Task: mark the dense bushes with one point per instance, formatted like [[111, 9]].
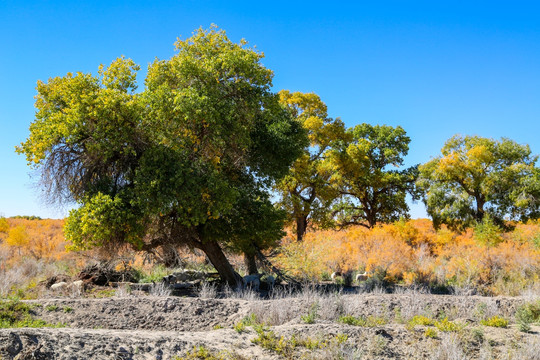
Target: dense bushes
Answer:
[[414, 253], [408, 253]]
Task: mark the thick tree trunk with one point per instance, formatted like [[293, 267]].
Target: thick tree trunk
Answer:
[[218, 259], [251, 264], [301, 227]]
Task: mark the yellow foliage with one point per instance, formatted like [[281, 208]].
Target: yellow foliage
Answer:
[[40, 239], [17, 237], [412, 252], [4, 226]]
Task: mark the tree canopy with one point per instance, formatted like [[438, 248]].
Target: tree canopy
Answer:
[[181, 162], [370, 192], [475, 176]]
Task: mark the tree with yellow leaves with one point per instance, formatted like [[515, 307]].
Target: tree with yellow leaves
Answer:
[[475, 177], [305, 192], [18, 237]]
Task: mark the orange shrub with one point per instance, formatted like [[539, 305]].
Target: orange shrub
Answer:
[[39, 239], [413, 252]]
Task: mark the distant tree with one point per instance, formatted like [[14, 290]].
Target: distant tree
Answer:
[[370, 192], [475, 176], [26, 217], [172, 164], [18, 238], [305, 192]]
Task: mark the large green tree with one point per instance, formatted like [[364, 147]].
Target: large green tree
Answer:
[[305, 192], [176, 163], [475, 176], [370, 191]]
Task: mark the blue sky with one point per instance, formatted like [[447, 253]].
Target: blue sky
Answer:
[[435, 68]]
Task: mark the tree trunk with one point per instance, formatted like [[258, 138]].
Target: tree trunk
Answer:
[[251, 264], [479, 208], [219, 261], [371, 218], [301, 227]]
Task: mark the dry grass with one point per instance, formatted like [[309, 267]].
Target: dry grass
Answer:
[[449, 349], [123, 291], [160, 289], [208, 291]]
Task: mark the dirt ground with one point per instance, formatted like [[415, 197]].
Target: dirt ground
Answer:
[[148, 327]]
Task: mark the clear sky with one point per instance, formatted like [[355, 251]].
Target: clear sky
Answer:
[[436, 68]]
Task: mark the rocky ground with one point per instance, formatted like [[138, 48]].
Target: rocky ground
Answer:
[[305, 326]]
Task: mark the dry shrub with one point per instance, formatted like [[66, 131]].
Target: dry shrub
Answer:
[[208, 290], [272, 312], [449, 349], [529, 349], [415, 254]]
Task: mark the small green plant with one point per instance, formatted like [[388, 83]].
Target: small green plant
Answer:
[[495, 321], [306, 342], [249, 320], [51, 307], [155, 274], [312, 314], [268, 340], [528, 314], [524, 327], [350, 320], [239, 327], [445, 325], [217, 327], [201, 353], [430, 333], [480, 310], [102, 293], [68, 309], [477, 335], [370, 321], [487, 232], [342, 338], [325, 276]]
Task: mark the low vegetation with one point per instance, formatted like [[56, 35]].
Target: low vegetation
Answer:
[[495, 321], [16, 314], [413, 253]]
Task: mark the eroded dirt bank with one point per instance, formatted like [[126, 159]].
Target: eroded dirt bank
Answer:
[[166, 327]]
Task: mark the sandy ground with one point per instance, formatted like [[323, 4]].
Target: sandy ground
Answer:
[[146, 327]]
